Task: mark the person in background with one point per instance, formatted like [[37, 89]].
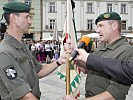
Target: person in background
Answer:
[[41, 55], [53, 59], [19, 69], [3, 28], [94, 45], [48, 60], [48, 49], [33, 49]]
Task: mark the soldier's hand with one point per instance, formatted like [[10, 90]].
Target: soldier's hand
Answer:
[[82, 55], [84, 70], [63, 58], [67, 45], [67, 52]]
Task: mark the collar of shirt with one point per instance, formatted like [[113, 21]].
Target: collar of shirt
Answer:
[[13, 41], [113, 45]]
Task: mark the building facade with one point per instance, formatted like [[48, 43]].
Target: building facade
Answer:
[[85, 13], [45, 13], [35, 30]]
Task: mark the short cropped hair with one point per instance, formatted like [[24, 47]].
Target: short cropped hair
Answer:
[[7, 17]]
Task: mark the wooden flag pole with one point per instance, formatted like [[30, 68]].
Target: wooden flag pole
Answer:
[[68, 77]]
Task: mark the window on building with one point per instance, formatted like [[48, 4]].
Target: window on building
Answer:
[[89, 7], [52, 7], [51, 23], [89, 25], [28, 2], [123, 24], [123, 8], [109, 8], [10, 0]]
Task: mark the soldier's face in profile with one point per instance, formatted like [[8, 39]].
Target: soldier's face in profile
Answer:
[[23, 21]]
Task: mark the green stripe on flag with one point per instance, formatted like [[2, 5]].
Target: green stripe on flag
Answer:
[[73, 84], [61, 75], [77, 79], [71, 89]]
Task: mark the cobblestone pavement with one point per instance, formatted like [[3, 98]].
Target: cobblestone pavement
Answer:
[[53, 88]]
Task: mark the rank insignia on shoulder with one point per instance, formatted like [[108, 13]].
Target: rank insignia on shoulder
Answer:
[[10, 72]]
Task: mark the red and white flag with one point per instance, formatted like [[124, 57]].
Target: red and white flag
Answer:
[[69, 34]]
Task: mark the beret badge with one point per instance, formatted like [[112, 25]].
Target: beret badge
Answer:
[[106, 16]]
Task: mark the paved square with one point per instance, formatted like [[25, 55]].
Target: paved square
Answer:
[[53, 88]]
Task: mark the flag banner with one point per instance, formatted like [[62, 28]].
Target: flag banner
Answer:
[[70, 34]]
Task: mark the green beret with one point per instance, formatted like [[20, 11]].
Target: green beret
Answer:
[[108, 16], [16, 7]]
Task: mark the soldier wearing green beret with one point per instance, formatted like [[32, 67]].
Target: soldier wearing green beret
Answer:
[[19, 70], [112, 45], [101, 86]]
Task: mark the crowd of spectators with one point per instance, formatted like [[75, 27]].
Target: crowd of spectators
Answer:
[[45, 51]]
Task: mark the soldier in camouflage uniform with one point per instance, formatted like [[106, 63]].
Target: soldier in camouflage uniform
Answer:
[[19, 70]]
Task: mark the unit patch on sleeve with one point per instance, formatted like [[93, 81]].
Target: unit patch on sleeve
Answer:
[[10, 72]]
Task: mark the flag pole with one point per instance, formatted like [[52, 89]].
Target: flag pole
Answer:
[[72, 78], [68, 55], [68, 37], [68, 76]]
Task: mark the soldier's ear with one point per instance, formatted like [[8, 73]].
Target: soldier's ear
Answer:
[[12, 19], [114, 25]]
